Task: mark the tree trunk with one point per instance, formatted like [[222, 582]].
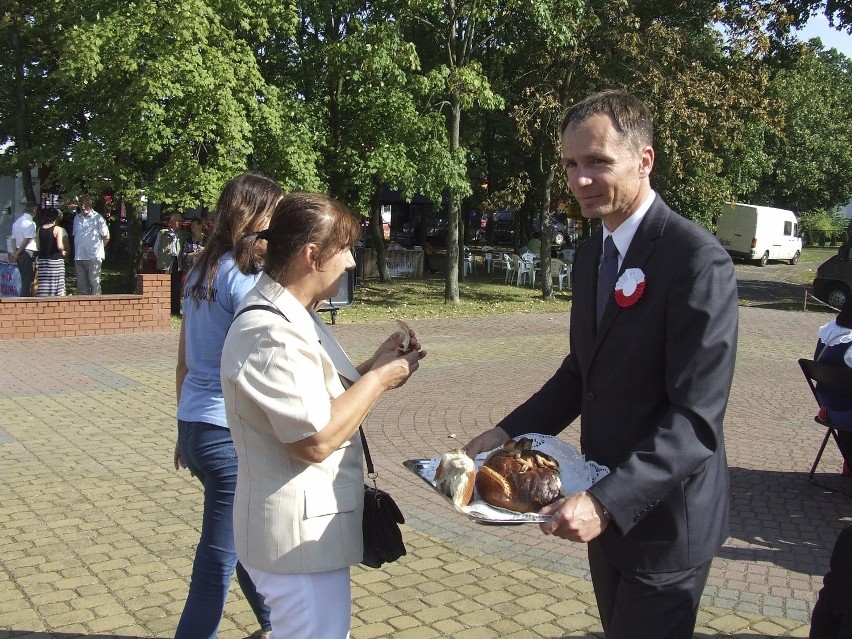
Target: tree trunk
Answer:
[[22, 140], [134, 244], [546, 275], [451, 281], [377, 230]]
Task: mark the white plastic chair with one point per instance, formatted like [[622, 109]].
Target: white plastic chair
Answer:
[[521, 270], [488, 254], [528, 267], [559, 270], [509, 265], [468, 263]]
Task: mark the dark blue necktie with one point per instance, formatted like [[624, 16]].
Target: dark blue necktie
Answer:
[[607, 274]]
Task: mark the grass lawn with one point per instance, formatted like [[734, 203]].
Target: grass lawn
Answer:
[[480, 295]]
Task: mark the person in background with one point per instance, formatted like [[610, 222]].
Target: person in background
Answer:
[[53, 247], [222, 274], [832, 615], [295, 401], [25, 248], [191, 248], [167, 248], [419, 238], [653, 337], [534, 245], [91, 235], [833, 347]]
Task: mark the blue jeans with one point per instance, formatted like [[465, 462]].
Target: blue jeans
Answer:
[[209, 453]]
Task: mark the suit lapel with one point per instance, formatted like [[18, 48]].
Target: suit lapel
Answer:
[[641, 248]]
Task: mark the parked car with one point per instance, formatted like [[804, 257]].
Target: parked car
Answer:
[[833, 280], [149, 257], [505, 228], [558, 231], [149, 236], [759, 233], [437, 226]]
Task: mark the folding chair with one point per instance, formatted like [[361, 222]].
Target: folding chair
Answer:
[[838, 377]]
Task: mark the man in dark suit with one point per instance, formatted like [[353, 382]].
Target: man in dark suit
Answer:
[[653, 339]]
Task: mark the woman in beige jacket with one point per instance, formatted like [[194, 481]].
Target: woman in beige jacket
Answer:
[[294, 403]]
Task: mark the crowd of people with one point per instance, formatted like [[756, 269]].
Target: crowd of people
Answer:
[[41, 244], [42, 240], [269, 405]]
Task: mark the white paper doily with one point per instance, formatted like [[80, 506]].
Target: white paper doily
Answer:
[[576, 474]]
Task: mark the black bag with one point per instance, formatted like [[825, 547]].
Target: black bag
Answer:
[[382, 536]]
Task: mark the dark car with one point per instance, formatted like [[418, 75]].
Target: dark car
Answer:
[[558, 231], [833, 279], [149, 257], [149, 236], [437, 225], [505, 228]]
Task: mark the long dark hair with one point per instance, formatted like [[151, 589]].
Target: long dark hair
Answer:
[[49, 214], [307, 218], [244, 208]]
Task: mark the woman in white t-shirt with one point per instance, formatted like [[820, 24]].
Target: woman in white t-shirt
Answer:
[[223, 273]]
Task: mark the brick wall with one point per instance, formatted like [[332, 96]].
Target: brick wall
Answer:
[[38, 317]]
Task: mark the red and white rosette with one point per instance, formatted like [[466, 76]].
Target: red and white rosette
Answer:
[[629, 287]]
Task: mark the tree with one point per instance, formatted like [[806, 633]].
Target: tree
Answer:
[[811, 149], [29, 34], [167, 100], [452, 36], [369, 99]]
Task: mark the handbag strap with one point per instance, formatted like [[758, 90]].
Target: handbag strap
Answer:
[[258, 307], [371, 472]]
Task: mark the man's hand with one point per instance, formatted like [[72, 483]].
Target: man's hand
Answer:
[[489, 440], [579, 517]]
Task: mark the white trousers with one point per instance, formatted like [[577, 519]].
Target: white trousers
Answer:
[[307, 605]]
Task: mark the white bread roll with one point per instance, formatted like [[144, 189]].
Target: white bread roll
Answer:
[[455, 477]]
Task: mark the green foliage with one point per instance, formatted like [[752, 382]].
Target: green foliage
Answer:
[[812, 146], [821, 225], [427, 96]]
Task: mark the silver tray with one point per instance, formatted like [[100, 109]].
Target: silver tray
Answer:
[[576, 474]]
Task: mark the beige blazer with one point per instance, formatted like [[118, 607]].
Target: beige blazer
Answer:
[[279, 377]]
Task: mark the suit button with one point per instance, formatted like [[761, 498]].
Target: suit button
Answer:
[[590, 396]]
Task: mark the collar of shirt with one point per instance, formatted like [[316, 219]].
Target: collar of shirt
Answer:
[[623, 235]]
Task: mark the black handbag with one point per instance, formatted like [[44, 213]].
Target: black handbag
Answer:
[[382, 537]]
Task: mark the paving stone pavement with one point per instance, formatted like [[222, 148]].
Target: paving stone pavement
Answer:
[[97, 529]]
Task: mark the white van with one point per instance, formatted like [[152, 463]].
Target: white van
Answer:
[[759, 233]]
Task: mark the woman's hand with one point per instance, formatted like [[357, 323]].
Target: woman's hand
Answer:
[[392, 346], [395, 367], [179, 463]]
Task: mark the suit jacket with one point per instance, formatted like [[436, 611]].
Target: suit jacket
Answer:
[[651, 385], [279, 377]]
